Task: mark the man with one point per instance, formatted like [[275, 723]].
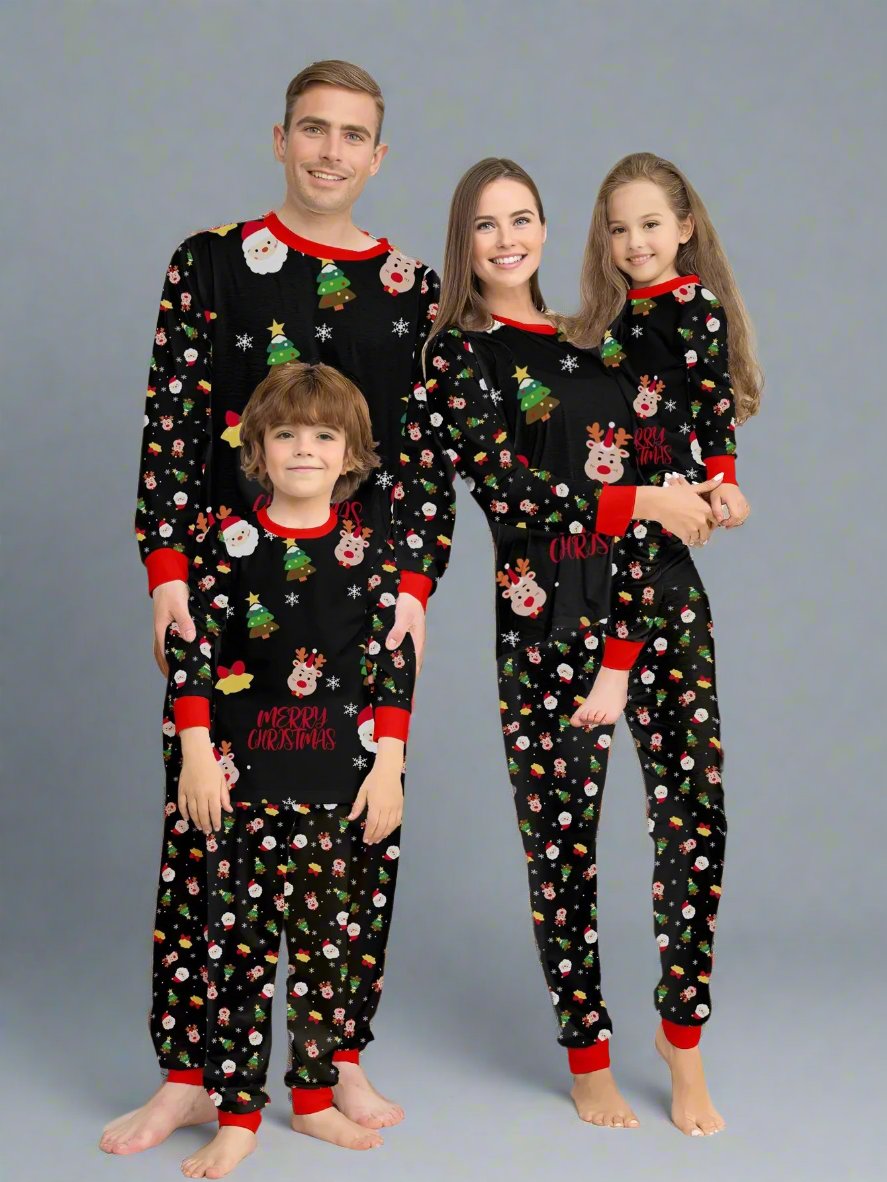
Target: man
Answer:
[[302, 282]]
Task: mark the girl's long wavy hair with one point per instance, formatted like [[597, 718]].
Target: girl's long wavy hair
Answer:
[[461, 304], [603, 287]]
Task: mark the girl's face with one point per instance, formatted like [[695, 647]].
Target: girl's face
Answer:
[[644, 233], [508, 237], [304, 460]]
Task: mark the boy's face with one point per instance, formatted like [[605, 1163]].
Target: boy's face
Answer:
[[644, 233], [330, 152], [304, 460]]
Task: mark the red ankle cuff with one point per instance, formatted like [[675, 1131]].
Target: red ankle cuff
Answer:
[[346, 1056], [593, 1058], [308, 1100], [191, 1075], [243, 1120], [684, 1037]]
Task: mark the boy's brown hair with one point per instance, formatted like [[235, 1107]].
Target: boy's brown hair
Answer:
[[296, 393], [334, 72]]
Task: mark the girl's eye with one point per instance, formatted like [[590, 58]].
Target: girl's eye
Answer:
[[653, 224], [616, 230]]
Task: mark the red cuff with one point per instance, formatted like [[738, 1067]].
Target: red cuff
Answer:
[[615, 509], [346, 1056], [190, 1075], [684, 1037], [619, 653], [243, 1120], [725, 464], [412, 583], [308, 1100], [190, 711], [593, 1058], [392, 722], [165, 565]]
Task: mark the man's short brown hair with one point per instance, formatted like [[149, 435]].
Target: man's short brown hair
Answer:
[[297, 394], [334, 73]]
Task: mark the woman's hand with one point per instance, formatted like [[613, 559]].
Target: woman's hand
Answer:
[[203, 789], [381, 793], [682, 509], [170, 602], [409, 616]]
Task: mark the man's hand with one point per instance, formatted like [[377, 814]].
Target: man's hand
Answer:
[[203, 789], [730, 498], [381, 793], [409, 616], [170, 603]]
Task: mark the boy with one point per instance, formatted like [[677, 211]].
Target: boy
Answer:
[[271, 701]]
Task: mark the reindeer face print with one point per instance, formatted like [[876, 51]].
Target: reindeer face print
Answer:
[[351, 549], [398, 273], [526, 596], [306, 672], [226, 763], [606, 453], [649, 396]]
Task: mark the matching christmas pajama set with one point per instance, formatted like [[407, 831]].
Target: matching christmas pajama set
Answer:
[[545, 436], [237, 299], [290, 673]]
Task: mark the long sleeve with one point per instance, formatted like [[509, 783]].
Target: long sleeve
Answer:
[[629, 625], [425, 490], [702, 327], [193, 664], [393, 671], [461, 410], [176, 436]]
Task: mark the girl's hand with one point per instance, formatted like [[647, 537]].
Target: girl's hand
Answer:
[[730, 498], [381, 793], [682, 509], [203, 789]]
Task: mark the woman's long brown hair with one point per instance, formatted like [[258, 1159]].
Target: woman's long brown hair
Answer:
[[603, 287], [461, 304]]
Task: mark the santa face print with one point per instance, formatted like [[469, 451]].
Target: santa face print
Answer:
[[508, 238], [329, 152], [304, 461], [644, 233]]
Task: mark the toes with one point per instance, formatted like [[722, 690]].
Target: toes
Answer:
[[597, 1118]]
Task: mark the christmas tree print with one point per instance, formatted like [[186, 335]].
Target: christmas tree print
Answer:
[[536, 400], [642, 307], [281, 349], [611, 353], [296, 562], [332, 287], [259, 620]]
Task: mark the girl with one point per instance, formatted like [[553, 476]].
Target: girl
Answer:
[[652, 265], [542, 432]]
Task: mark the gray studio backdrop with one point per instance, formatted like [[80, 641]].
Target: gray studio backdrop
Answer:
[[129, 126]]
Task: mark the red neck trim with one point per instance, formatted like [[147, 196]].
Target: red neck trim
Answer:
[[545, 329], [646, 293], [288, 531], [319, 249]]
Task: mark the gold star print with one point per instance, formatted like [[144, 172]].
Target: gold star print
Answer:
[[275, 329], [252, 599], [520, 373]]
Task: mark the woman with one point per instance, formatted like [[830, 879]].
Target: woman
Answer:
[[542, 433]]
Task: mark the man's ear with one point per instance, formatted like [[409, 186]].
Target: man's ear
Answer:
[[279, 142], [379, 153]]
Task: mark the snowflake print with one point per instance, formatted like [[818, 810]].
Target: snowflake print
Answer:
[[350, 709], [400, 327], [292, 599], [684, 428], [244, 341], [570, 363], [333, 683], [495, 396], [671, 404], [323, 332], [637, 331], [354, 591], [384, 479], [359, 761], [510, 638]]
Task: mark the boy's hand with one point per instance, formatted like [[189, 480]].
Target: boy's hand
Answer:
[[381, 793], [737, 507], [409, 616], [203, 789]]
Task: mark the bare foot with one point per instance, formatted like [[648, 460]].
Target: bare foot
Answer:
[[356, 1097], [691, 1108], [218, 1157], [332, 1125], [605, 701], [599, 1101], [172, 1106]]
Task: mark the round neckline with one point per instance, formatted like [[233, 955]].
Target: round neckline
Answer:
[[645, 293], [319, 249], [542, 329], [282, 531]]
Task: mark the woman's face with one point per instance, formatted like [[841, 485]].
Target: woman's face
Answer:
[[508, 236]]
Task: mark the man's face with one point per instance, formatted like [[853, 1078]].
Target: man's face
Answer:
[[329, 152]]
